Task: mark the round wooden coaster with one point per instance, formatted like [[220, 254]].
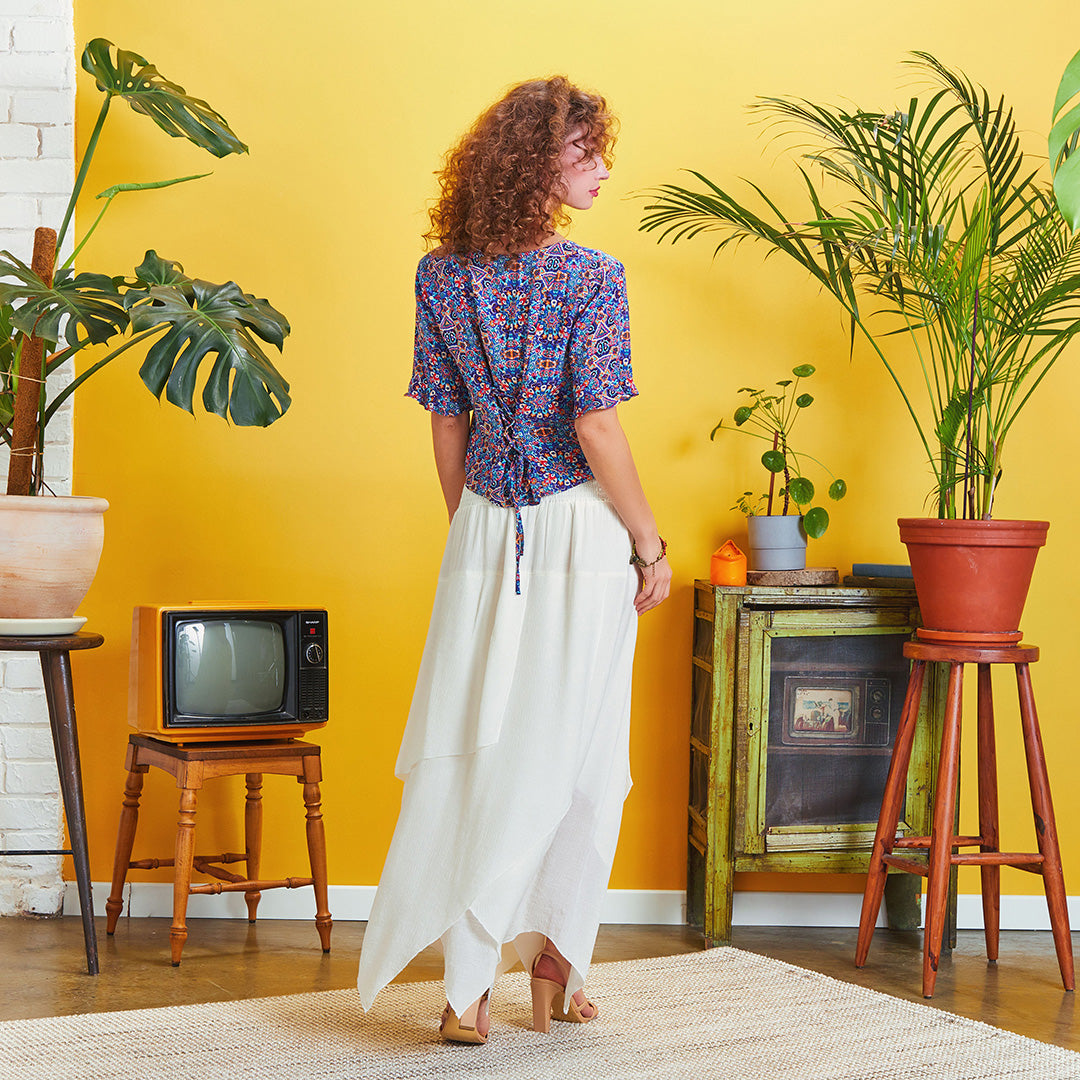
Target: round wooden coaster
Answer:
[[824, 575]]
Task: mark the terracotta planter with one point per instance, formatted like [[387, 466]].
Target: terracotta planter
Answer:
[[777, 542], [51, 547], [972, 577]]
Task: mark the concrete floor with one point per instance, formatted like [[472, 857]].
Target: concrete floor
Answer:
[[44, 972]]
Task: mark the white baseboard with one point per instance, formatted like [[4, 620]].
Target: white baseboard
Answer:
[[1017, 912], [797, 909], [842, 910], [639, 906], [347, 903]]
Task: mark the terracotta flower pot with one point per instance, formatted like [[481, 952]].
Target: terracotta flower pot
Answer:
[[972, 577], [51, 547], [777, 542]]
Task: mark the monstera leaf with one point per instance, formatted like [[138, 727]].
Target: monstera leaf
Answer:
[[204, 319], [133, 78], [154, 270], [8, 343], [91, 304], [1064, 160]]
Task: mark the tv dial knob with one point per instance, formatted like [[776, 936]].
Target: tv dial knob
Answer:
[[313, 654]]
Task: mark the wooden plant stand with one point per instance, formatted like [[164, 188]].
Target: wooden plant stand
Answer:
[[191, 765], [939, 848], [53, 652]]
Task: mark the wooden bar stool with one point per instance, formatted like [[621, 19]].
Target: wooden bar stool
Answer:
[[191, 765], [941, 845]]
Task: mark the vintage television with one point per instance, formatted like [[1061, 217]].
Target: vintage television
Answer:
[[203, 673]]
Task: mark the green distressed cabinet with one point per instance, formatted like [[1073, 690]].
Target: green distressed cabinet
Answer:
[[795, 701]]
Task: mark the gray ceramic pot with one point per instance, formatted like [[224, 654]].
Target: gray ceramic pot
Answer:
[[777, 542]]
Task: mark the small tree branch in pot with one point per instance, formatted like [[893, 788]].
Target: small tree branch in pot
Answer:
[[787, 478], [24, 423], [772, 475]]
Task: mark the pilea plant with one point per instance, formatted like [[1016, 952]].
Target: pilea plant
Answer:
[[771, 416], [48, 314]]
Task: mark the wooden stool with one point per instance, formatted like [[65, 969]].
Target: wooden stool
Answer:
[[191, 765], [942, 842]]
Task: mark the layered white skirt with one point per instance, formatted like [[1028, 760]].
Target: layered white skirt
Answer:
[[515, 756]]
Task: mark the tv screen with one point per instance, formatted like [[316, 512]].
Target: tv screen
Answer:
[[229, 667]]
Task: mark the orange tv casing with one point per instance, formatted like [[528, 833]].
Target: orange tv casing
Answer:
[[146, 679]]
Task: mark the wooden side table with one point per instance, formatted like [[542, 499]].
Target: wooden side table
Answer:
[[774, 787], [191, 765], [56, 674]]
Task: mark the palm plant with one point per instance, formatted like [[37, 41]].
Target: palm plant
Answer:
[[958, 244], [49, 314]]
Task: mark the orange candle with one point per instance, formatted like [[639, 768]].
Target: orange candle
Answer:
[[728, 565]]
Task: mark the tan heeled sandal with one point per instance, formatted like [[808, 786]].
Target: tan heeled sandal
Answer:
[[453, 1030], [549, 1000]]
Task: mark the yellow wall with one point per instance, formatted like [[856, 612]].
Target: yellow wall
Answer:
[[347, 108]]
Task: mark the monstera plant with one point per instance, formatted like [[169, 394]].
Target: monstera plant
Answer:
[[49, 314]]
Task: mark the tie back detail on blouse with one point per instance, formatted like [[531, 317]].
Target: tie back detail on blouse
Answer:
[[528, 342]]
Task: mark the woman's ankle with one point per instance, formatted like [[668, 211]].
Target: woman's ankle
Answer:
[[547, 967]]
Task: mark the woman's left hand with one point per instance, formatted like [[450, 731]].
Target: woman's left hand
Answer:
[[655, 586]]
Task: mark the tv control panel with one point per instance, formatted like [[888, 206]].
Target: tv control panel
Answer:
[[313, 674]]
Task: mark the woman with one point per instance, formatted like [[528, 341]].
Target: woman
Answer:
[[515, 756]]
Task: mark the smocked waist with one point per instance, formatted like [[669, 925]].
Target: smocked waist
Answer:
[[587, 491]]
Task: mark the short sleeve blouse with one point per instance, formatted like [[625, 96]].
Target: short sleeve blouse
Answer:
[[528, 342]]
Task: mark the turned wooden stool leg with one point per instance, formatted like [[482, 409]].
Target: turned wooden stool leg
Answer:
[[1045, 827], [60, 698], [942, 832], [316, 842], [988, 813], [185, 853], [891, 806], [253, 819], [125, 840]]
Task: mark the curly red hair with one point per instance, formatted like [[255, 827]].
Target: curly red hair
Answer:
[[500, 183]]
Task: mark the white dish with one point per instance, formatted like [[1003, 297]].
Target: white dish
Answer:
[[41, 627]]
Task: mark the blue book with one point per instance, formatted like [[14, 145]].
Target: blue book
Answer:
[[873, 569]]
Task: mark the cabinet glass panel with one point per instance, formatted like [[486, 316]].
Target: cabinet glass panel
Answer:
[[699, 781], [834, 708], [703, 639], [702, 695]]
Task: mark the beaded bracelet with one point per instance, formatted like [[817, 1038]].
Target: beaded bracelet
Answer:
[[637, 560]]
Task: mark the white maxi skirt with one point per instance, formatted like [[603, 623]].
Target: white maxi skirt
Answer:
[[515, 756]]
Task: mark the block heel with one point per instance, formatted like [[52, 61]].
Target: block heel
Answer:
[[544, 993]]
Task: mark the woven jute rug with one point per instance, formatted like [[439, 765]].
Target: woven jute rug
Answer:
[[721, 1013]]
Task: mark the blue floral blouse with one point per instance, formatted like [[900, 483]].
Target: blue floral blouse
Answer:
[[528, 342]]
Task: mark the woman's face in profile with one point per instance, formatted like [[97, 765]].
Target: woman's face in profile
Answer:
[[582, 171]]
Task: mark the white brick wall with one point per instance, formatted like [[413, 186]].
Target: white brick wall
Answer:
[[37, 110]]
